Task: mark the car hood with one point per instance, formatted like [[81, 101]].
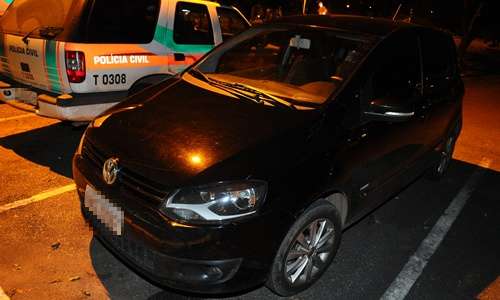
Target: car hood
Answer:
[[185, 130]]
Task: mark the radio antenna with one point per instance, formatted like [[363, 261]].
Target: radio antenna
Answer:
[[397, 11]]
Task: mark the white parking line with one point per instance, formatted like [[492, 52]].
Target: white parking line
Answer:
[[3, 296], [417, 262], [40, 197], [17, 117]]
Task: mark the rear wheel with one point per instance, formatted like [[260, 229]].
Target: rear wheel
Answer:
[[438, 171], [307, 250]]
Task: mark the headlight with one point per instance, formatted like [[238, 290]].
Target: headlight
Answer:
[[217, 202]]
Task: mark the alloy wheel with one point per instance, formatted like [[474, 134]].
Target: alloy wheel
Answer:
[[310, 251]]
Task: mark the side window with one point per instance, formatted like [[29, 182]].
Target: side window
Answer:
[[110, 21], [231, 22], [192, 24], [399, 72], [437, 56]]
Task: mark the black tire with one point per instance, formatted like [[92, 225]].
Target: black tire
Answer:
[[439, 169], [315, 261]]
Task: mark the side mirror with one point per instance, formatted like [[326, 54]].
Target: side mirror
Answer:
[[389, 109]]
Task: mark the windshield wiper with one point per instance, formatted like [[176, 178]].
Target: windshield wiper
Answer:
[[243, 90], [199, 74], [48, 32], [258, 95]]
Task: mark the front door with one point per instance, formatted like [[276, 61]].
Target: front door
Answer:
[[191, 34], [379, 153]]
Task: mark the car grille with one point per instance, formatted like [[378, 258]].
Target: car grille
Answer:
[[126, 244], [132, 182]]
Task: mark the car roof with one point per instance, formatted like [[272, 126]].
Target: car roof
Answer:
[[210, 3], [361, 24], [205, 2]]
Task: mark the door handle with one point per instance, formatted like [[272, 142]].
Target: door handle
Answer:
[[426, 103], [424, 108], [357, 135], [179, 57], [399, 114], [394, 116]]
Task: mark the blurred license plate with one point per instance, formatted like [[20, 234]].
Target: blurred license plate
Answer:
[[108, 213]]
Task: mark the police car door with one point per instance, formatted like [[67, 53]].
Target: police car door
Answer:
[[194, 31]]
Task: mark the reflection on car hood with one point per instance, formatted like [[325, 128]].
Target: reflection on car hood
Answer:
[[185, 130]]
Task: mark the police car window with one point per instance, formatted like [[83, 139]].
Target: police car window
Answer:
[[192, 24], [122, 21], [231, 23], [399, 72]]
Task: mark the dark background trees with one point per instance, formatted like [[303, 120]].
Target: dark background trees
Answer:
[[466, 18]]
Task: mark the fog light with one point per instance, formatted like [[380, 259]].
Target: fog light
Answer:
[[213, 273], [194, 273]]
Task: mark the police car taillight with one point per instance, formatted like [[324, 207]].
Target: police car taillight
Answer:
[[75, 66]]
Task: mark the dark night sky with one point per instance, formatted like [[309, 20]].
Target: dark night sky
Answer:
[[444, 13]]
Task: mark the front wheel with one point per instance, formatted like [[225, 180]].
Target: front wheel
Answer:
[[307, 250]]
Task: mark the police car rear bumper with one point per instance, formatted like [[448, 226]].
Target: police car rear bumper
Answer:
[[71, 107], [77, 107]]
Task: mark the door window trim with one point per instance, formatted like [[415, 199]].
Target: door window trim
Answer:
[[212, 28]]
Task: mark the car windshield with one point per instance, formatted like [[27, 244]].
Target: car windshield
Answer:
[[301, 65]]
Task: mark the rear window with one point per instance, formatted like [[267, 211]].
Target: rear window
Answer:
[[25, 16], [231, 22], [121, 21], [192, 24]]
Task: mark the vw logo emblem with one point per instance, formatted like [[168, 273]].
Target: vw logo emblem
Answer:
[[110, 170]]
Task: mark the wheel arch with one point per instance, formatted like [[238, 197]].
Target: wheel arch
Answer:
[[340, 201], [147, 81]]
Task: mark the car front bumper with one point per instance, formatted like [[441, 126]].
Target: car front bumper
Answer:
[[202, 259]]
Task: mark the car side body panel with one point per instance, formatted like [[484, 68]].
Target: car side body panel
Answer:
[[303, 156]]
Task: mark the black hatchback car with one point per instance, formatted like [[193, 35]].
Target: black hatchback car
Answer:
[[246, 168]]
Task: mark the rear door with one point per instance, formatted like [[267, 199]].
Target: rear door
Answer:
[[442, 84], [123, 41], [27, 62], [28, 51]]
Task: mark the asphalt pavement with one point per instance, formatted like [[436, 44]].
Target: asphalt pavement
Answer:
[[435, 240]]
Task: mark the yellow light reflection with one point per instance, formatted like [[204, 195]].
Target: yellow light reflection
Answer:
[[175, 224], [98, 122], [196, 159]]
